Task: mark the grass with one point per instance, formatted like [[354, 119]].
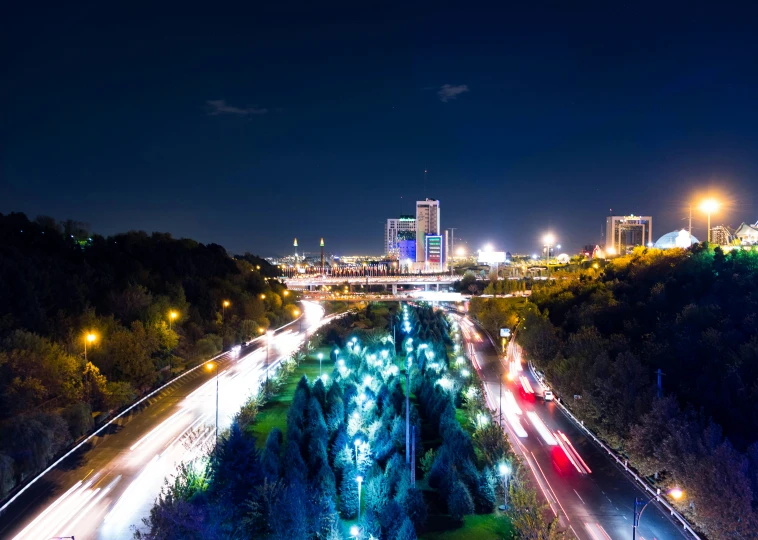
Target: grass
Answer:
[[476, 527], [274, 413]]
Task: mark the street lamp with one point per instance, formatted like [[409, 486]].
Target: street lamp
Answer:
[[708, 206], [320, 358], [359, 479], [172, 315], [355, 531], [505, 472], [209, 366], [88, 338], [225, 304], [549, 239], [675, 493]]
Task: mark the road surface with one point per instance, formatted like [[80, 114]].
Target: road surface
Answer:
[[586, 489], [107, 487]]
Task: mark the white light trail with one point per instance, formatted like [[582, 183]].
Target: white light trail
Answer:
[[541, 428]]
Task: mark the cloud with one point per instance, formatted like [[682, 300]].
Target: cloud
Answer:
[[449, 92], [219, 106]]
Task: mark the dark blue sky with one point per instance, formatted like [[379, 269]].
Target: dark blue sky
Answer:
[[248, 125]]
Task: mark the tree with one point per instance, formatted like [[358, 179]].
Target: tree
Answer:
[[249, 329], [349, 493], [412, 501], [459, 502], [129, 353], [271, 457], [406, 531], [79, 419], [524, 511], [376, 493]]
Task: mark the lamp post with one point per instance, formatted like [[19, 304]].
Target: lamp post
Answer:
[[356, 443], [210, 366], [296, 313], [676, 493], [320, 358], [708, 206], [89, 338], [171, 316], [549, 239], [359, 479], [225, 304], [505, 472]]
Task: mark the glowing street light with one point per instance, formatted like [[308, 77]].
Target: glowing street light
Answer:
[[505, 472], [320, 358], [225, 304], [675, 493], [549, 240], [708, 206], [88, 338], [172, 315]]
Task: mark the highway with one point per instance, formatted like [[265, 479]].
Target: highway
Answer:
[[107, 487], [589, 492]]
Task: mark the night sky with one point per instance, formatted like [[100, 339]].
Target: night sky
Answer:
[[248, 125]]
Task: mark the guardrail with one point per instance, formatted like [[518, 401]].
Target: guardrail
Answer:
[[122, 413], [623, 462]]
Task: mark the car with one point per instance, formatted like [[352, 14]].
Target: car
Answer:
[[548, 395]]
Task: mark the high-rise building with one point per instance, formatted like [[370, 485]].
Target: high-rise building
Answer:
[[427, 223], [623, 233], [402, 228]]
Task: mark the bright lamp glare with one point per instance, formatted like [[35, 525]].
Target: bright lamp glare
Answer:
[[676, 493], [709, 205], [549, 239]]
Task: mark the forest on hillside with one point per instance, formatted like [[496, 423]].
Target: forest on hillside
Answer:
[[142, 306], [600, 338]]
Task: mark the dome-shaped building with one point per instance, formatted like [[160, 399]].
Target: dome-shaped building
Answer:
[[676, 239]]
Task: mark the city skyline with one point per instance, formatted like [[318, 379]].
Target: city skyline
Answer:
[[527, 123]]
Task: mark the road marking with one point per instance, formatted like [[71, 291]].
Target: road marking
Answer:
[[580, 497]]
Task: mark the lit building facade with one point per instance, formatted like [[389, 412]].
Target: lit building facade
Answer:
[[747, 234], [427, 223], [623, 233], [397, 229]]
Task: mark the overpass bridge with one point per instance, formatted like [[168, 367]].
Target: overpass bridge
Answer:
[[429, 282]]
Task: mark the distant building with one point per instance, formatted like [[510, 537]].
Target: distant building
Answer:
[[407, 251], [393, 232], [427, 223], [722, 236], [676, 239], [434, 252], [747, 234], [623, 233]]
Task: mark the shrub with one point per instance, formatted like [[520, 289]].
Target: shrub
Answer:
[[459, 502], [79, 419]]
